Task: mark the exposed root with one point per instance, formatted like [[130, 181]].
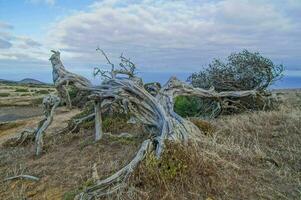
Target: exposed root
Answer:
[[117, 180], [154, 111], [122, 135], [77, 122], [50, 103], [24, 137]]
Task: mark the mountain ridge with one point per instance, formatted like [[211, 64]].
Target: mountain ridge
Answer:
[[24, 81]]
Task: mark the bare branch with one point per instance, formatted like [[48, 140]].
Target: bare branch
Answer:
[[22, 176]]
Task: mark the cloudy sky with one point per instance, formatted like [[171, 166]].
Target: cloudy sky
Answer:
[[160, 36]]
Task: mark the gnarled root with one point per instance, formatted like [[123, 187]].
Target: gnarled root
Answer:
[[117, 180], [24, 137], [50, 103], [76, 122]]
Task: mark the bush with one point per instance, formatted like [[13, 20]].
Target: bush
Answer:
[[187, 106], [180, 170], [241, 71], [43, 92], [21, 90], [73, 91], [4, 94]]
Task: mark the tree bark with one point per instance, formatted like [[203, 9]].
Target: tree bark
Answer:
[[98, 122], [155, 111], [50, 103]]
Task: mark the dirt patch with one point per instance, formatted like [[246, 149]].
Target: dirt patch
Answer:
[[247, 156], [65, 166]]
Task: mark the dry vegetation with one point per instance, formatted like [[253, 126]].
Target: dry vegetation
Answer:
[[23, 95], [246, 156]]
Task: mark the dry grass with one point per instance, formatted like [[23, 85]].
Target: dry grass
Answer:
[[65, 167], [247, 156], [22, 95]]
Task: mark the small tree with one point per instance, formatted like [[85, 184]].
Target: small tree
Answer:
[[241, 71]]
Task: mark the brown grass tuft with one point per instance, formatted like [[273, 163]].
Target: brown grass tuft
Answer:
[[248, 156], [206, 127]]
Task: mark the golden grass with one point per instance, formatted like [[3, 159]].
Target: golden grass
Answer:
[[22, 95], [247, 156]]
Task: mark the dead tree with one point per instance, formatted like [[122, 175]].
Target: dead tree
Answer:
[[154, 111], [240, 71], [63, 78], [50, 103]]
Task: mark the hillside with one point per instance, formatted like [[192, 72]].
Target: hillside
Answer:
[[25, 81], [246, 156]]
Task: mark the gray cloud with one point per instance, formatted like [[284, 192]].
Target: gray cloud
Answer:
[[180, 35], [18, 48], [4, 44], [27, 43]]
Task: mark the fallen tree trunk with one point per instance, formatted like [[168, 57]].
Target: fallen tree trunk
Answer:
[[154, 111]]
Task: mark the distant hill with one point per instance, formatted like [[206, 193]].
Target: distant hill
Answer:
[[25, 81], [31, 81]]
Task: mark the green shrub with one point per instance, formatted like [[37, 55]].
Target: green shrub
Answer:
[[187, 106], [240, 71], [4, 94], [72, 90], [43, 92], [70, 195], [21, 90], [190, 106], [37, 101]]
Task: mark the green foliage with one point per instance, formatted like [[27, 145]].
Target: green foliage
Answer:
[[187, 106], [70, 195], [4, 94], [72, 90], [190, 106], [21, 90], [241, 71], [171, 165], [25, 94], [43, 92]]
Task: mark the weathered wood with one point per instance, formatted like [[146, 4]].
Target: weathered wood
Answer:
[[98, 121], [50, 103], [62, 78], [155, 110]]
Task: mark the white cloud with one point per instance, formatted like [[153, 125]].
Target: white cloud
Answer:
[[182, 35], [18, 47]]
